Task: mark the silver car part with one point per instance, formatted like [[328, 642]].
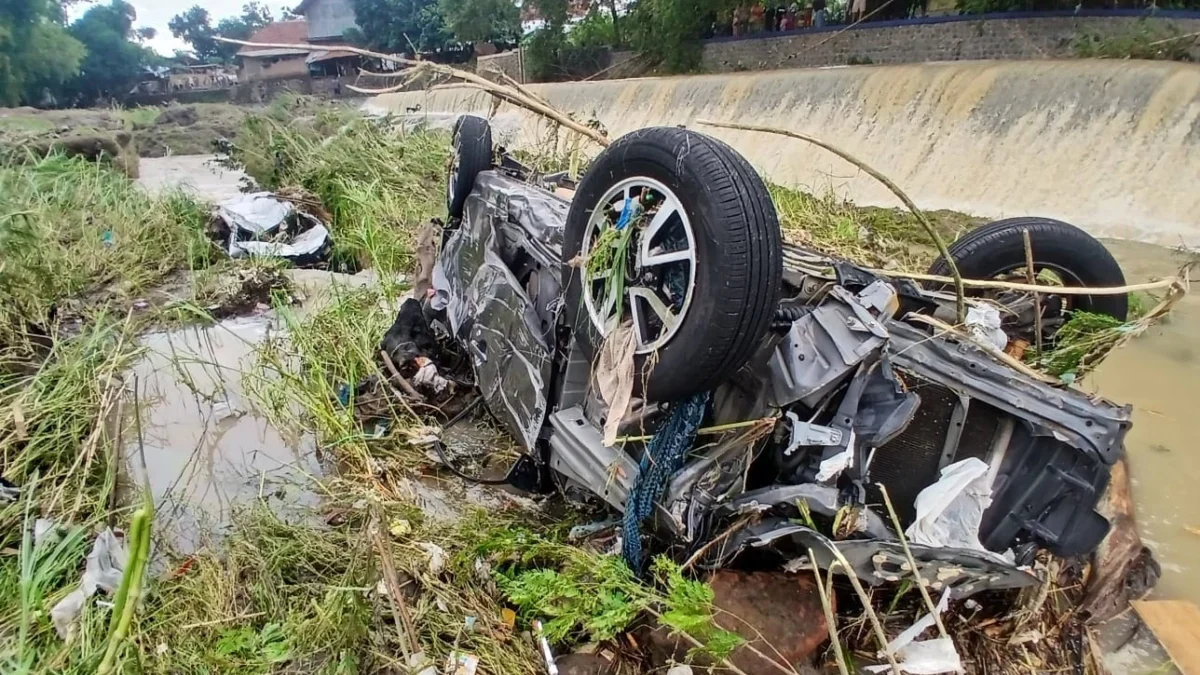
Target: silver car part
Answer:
[[824, 346], [649, 294]]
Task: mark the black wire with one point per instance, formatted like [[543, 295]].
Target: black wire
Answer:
[[440, 448]]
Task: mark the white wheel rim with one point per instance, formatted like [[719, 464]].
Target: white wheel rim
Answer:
[[664, 247]]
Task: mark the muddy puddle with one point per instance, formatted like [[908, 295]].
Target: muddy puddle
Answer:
[[206, 450]]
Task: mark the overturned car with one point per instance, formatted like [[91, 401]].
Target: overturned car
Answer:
[[653, 344]]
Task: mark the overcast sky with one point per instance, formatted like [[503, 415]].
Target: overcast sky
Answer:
[[157, 13]]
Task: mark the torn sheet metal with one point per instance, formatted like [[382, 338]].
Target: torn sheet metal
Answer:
[[875, 561], [489, 308], [1093, 425], [827, 344]]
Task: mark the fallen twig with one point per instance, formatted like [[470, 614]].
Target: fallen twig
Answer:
[[1031, 277], [912, 563], [509, 94], [403, 620], [1038, 288], [960, 296], [400, 380], [830, 618]]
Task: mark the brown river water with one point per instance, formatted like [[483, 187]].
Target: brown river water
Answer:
[[208, 450]]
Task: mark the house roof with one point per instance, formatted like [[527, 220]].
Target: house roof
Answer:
[[279, 32], [302, 8]]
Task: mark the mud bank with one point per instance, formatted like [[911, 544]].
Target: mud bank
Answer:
[[1113, 146]]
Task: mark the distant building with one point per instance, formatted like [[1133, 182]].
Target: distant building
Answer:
[[270, 63], [328, 20]]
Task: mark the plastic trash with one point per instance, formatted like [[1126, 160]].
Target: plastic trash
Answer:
[[949, 511], [104, 568], [925, 657], [983, 321], [261, 224]]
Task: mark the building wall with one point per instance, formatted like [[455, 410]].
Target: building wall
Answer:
[[329, 18], [508, 63], [273, 68], [955, 38]]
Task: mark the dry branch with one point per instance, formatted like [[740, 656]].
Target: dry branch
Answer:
[[507, 93], [960, 296]]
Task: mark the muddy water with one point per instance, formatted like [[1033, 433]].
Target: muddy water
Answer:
[[206, 451], [198, 174], [1159, 374]]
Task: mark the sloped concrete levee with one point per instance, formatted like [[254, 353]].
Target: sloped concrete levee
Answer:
[[1113, 146]]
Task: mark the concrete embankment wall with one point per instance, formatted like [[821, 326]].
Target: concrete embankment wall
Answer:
[[1113, 146]]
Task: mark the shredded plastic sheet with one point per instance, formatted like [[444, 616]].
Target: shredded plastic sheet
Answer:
[[926, 657], [104, 568], [949, 511], [256, 213], [983, 321]]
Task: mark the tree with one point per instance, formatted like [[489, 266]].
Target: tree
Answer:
[[669, 31], [37, 55], [481, 20], [395, 26], [195, 27], [114, 62]]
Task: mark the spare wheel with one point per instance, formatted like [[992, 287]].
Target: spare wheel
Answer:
[[702, 266]]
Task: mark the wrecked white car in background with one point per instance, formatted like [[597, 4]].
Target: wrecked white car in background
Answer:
[[652, 343]]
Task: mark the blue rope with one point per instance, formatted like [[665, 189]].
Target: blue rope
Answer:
[[664, 457]]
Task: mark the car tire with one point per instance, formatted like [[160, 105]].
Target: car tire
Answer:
[[1077, 257], [738, 256], [472, 140]]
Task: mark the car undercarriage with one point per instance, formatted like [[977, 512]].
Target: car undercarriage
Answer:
[[828, 408]]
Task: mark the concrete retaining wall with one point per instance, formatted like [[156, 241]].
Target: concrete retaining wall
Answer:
[[956, 38], [1113, 146]]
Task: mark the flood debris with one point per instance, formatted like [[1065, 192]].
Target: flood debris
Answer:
[[264, 224]]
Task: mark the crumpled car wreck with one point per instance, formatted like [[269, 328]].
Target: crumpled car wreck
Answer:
[[750, 388]]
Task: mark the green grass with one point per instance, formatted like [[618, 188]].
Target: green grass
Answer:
[[877, 237], [377, 183]]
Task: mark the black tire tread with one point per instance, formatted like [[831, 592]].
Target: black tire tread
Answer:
[[747, 298], [473, 144], [982, 252]]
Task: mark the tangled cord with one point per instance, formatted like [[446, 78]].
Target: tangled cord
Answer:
[[440, 448], [662, 459]]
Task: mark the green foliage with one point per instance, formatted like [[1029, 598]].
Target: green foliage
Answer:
[[195, 27], [73, 228], [595, 30], [586, 596], [593, 599], [1141, 41], [669, 31], [480, 20], [397, 26], [1081, 344], [37, 54], [114, 61]]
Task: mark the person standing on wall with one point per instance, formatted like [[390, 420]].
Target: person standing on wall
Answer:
[[818, 13]]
